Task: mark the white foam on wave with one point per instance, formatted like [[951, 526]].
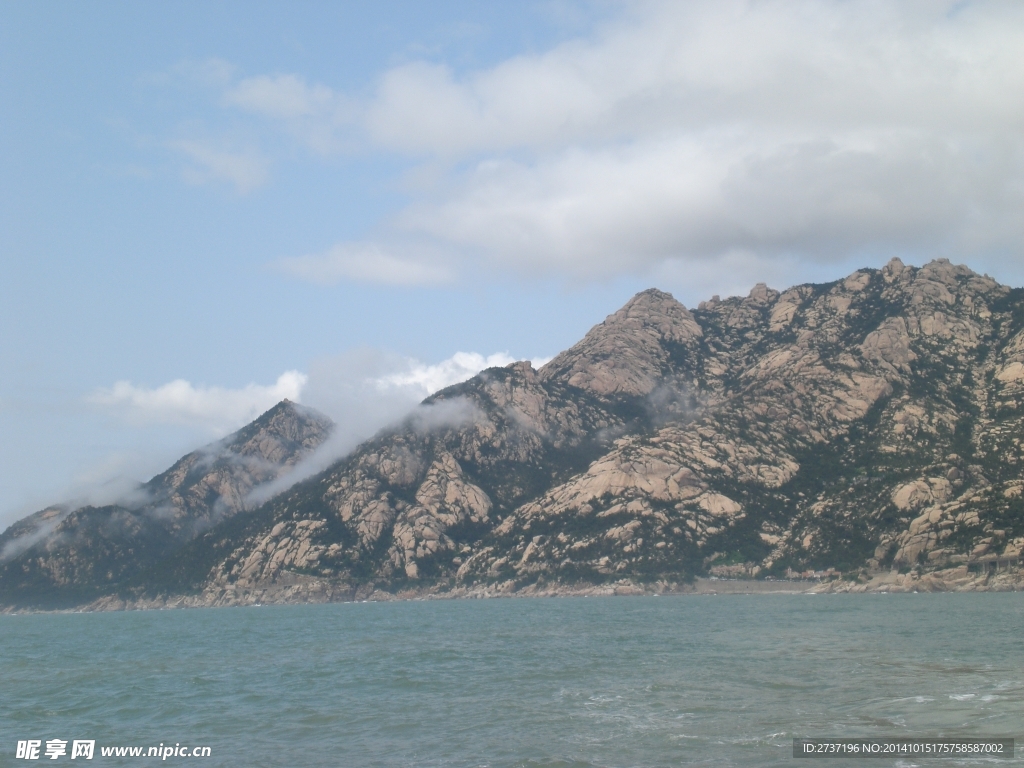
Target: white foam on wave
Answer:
[[962, 696]]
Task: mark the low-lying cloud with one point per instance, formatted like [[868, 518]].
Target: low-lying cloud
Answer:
[[218, 409], [425, 380], [366, 390], [30, 538], [362, 391], [361, 387]]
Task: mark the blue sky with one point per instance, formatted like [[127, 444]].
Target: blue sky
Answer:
[[204, 207]]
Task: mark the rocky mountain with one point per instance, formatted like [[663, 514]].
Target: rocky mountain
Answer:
[[869, 427], [64, 555]]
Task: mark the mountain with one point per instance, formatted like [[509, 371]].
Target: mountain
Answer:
[[64, 555], [869, 428]]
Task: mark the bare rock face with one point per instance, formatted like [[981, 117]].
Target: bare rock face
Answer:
[[629, 352], [444, 499], [821, 427], [226, 472], [870, 426], [889, 347]]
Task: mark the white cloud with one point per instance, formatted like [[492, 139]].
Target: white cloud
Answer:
[[217, 409], [362, 391], [369, 263], [671, 68], [366, 390], [811, 131], [426, 379], [599, 212], [693, 130], [796, 132], [16, 546], [315, 114], [283, 96], [246, 169]]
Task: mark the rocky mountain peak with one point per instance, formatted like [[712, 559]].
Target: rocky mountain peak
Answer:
[[654, 312], [762, 294], [96, 547], [630, 351], [257, 453], [281, 435], [893, 270]]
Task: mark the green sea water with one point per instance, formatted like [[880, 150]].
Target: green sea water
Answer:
[[724, 680]]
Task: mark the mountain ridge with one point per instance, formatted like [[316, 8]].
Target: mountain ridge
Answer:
[[77, 552], [869, 426]]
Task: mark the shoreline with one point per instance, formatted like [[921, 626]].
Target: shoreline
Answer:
[[289, 595], [305, 590]]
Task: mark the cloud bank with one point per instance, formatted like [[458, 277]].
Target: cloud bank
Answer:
[[362, 391], [366, 390], [217, 409], [773, 131]]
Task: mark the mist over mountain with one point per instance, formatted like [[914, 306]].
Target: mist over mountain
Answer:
[[65, 554], [868, 427]]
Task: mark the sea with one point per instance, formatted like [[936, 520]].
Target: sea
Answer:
[[571, 682]]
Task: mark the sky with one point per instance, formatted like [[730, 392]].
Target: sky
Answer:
[[207, 207]]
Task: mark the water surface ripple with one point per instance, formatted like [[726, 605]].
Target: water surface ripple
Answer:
[[570, 683]]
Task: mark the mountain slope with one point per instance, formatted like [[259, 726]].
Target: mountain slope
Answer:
[[63, 555], [832, 426], [802, 461], [871, 425]]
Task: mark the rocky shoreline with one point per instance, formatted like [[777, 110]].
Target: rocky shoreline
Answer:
[[948, 580], [315, 591]]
